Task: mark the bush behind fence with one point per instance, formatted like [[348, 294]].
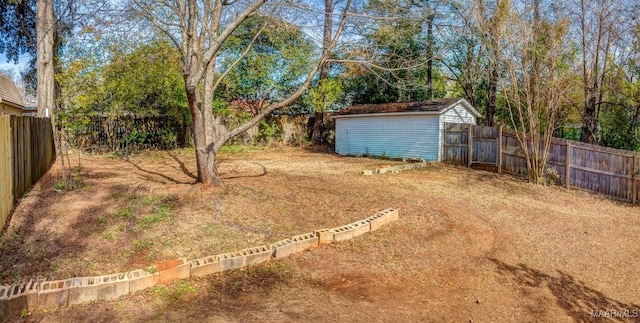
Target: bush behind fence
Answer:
[[132, 133], [126, 133]]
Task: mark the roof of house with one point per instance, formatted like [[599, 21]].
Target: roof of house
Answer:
[[9, 91], [436, 106], [251, 106], [30, 106]]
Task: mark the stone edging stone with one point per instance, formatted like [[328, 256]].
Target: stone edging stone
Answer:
[[394, 169], [41, 294]]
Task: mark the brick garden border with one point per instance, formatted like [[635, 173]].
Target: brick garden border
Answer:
[[41, 294]]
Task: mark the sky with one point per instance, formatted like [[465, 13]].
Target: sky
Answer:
[[4, 65]]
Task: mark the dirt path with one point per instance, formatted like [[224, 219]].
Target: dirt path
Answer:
[[470, 246]]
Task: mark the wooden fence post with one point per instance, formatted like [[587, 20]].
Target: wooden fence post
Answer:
[[634, 178], [470, 144], [499, 161], [444, 143], [567, 170]]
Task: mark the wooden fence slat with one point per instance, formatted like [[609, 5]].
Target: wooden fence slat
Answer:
[[457, 145], [16, 156], [470, 144], [567, 170], [602, 170], [634, 179], [499, 143], [554, 163], [595, 148], [512, 154], [484, 163], [26, 153], [6, 167]]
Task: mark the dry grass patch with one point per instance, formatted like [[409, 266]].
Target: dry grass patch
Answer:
[[469, 245]]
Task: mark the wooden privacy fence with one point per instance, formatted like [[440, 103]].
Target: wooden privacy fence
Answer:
[[128, 132], [26, 152], [606, 171], [135, 132]]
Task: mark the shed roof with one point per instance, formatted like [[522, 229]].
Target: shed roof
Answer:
[[9, 92], [434, 106]]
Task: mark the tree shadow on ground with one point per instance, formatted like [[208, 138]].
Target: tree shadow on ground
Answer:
[[263, 172], [150, 178], [573, 296], [182, 166], [41, 237], [35, 245]]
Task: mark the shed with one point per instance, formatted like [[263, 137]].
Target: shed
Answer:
[[10, 98], [404, 129]]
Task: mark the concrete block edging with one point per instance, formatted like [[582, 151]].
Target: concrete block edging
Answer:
[[395, 169], [33, 295]]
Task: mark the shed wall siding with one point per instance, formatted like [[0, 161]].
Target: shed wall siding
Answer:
[[458, 114], [392, 136], [342, 137]]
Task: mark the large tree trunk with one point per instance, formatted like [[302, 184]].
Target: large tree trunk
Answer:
[[197, 131], [467, 82], [326, 39], [589, 121], [490, 111], [45, 30], [631, 138], [595, 54], [203, 130], [210, 125], [492, 27], [317, 135], [200, 40], [430, 19]]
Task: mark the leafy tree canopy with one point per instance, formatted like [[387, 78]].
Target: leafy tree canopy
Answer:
[[147, 80], [17, 27], [399, 52], [267, 57]]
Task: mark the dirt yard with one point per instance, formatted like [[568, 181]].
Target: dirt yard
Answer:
[[470, 246]]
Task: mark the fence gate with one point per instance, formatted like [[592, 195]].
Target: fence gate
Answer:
[[470, 145]]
